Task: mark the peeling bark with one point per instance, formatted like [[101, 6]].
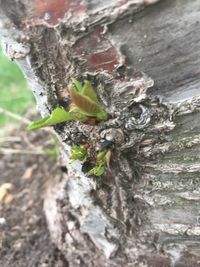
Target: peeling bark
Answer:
[[142, 58]]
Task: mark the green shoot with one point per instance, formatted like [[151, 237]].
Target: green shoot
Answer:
[[84, 104], [103, 160], [58, 115], [77, 85], [84, 98], [88, 91], [78, 153], [98, 170]]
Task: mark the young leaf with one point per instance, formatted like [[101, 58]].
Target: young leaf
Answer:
[[103, 160], [78, 153], [85, 99], [101, 156], [84, 103], [77, 85], [88, 91], [37, 124], [97, 170], [58, 115]]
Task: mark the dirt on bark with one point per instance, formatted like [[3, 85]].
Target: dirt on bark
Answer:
[[25, 170]]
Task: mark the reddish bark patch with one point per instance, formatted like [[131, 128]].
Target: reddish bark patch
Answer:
[[97, 50], [53, 11], [50, 10]]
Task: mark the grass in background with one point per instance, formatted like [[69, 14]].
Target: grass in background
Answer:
[[15, 95]]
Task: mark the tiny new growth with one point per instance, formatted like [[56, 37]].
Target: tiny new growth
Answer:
[[102, 159], [78, 153], [84, 100], [84, 105]]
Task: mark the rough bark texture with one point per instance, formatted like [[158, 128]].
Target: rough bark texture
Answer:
[[145, 211]]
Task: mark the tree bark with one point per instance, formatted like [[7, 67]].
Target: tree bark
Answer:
[[143, 59]]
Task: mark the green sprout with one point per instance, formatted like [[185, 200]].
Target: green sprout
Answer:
[[85, 100], [102, 160], [84, 105], [58, 115], [78, 153]]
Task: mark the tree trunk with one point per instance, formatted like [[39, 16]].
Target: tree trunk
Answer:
[[145, 210]]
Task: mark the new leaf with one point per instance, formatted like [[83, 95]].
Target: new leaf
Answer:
[[58, 115], [84, 98]]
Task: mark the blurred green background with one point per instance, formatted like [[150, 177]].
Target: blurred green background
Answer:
[[15, 95]]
